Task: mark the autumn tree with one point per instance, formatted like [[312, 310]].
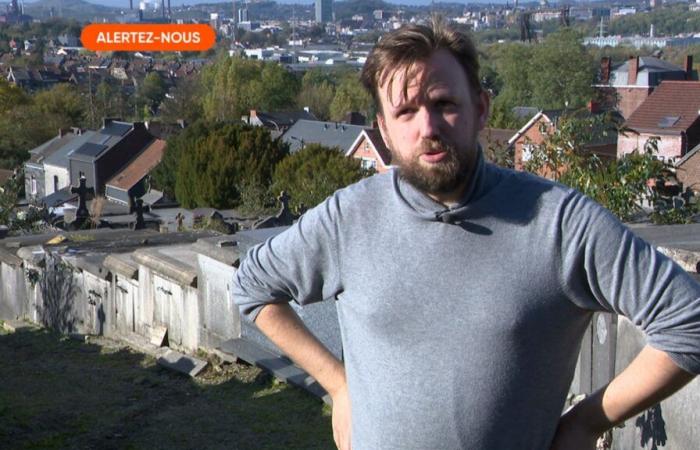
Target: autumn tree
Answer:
[[317, 93], [313, 173], [231, 87], [350, 96]]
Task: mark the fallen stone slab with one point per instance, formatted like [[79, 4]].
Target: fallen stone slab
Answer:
[[16, 325], [280, 367], [180, 362]]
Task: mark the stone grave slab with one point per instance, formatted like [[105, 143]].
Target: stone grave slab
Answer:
[[181, 363], [280, 367]]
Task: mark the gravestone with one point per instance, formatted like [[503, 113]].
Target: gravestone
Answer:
[[140, 223], [82, 214], [284, 217]]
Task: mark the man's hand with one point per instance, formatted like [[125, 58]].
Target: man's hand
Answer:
[[341, 418], [279, 322], [651, 377], [573, 435]]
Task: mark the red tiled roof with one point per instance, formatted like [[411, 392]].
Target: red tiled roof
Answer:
[[670, 109], [139, 166]]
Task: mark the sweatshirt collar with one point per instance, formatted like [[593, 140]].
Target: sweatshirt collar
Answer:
[[430, 209]]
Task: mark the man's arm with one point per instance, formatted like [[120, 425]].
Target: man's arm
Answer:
[[651, 377], [281, 325]]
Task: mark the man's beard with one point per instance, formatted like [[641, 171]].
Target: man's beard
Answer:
[[441, 177]]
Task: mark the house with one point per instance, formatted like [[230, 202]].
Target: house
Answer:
[[495, 144], [277, 122], [131, 182], [669, 115], [370, 149], [628, 85], [688, 170], [328, 134], [539, 127], [47, 172], [107, 151], [35, 179]]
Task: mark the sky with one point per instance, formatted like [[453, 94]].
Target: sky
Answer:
[[117, 3]]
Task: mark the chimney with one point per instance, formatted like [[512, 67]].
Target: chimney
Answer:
[[605, 69], [593, 106], [253, 113], [632, 69], [688, 66]]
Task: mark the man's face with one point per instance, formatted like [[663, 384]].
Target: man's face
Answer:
[[432, 130]]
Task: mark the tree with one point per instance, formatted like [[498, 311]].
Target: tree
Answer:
[[233, 86], [152, 91], [313, 173], [11, 96], [217, 160], [620, 185], [562, 72], [317, 93], [350, 96], [185, 104]]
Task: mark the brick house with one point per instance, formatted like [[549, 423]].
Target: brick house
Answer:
[[369, 147], [627, 86], [670, 115], [536, 130], [688, 170]]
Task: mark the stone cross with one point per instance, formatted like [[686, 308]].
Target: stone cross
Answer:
[[82, 214]]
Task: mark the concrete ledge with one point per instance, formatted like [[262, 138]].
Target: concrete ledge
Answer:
[[279, 366], [10, 258], [122, 265], [165, 265]]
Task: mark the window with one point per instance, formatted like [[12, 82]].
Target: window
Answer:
[[55, 183], [33, 186], [369, 163], [527, 152]]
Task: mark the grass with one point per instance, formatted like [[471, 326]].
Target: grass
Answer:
[[59, 393]]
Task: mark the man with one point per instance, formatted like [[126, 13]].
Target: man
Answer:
[[463, 289]]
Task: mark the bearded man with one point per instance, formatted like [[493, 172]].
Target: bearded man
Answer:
[[464, 289]]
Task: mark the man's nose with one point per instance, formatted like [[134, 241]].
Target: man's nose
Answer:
[[429, 123]]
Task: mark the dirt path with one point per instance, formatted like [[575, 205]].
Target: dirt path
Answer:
[[59, 393]]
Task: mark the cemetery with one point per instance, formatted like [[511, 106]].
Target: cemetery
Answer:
[[168, 292]]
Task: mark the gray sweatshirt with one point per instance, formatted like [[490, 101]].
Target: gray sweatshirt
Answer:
[[461, 326]]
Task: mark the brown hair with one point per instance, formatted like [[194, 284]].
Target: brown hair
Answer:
[[412, 44]]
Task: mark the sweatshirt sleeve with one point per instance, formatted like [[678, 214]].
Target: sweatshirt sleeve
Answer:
[[606, 267], [299, 264]]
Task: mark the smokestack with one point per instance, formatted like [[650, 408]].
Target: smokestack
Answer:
[[162, 8], [632, 69], [688, 66], [131, 4]]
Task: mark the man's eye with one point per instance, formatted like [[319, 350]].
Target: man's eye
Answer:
[[443, 104], [405, 112]]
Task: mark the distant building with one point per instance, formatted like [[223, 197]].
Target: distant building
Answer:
[[632, 82], [14, 14], [324, 11], [671, 115]]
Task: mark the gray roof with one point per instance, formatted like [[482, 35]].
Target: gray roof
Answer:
[[59, 157], [101, 141], [328, 134], [650, 72]]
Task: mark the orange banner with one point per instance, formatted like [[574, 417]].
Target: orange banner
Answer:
[[148, 37]]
